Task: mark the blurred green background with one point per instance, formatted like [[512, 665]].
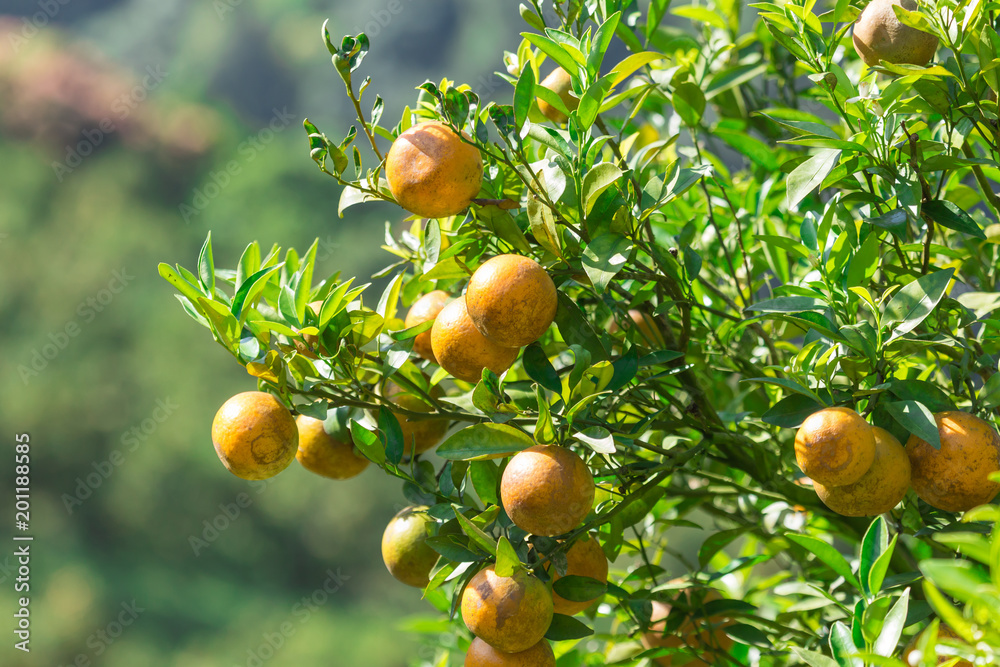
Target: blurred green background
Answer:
[[128, 130]]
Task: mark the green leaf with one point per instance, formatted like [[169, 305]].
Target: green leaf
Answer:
[[807, 176], [599, 178], [481, 441], [627, 67], [827, 555], [575, 328], [524, 95], [961, 579], [249, 263], [226, 326], [791, 411], [478, 537], [689, 103], [565, 628], [552, 50], [842, 646], [507, 560], [602, 40], [814, 659], [598, 439], [874, 544], [948, 215], [579, 589], [604, 257], [917, 419], [367, 443], [718, 541], [540, 369], [545, 432], [791, 385], [180, 284], [206, 266], [485, 476], [787, 304], [914, 302], [250, 289], [892, 627], [543, 226], [391, 435], [450, 549]]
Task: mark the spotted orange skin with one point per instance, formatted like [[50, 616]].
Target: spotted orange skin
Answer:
[[880, 489], [956, 477], [560, 83], [324, 455], [584, 559], [425, 308], [255, 435], [835, 446], [693, 632], [419, 435], [431, 172], [462, 350], [481, 654], [547, 490], [880, 35], [512, 300], [511, 614], [404, 547], [943, 632]]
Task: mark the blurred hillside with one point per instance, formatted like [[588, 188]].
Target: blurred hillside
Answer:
[[128, 130]]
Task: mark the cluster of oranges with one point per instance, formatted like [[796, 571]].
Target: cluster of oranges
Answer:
[[862, 470]]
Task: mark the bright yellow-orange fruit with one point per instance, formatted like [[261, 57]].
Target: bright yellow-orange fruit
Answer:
[[879, 35], [584, 559], [560, 83], [462, 350], [255, 435], [404, 547], [512, 300], [697, 632], [321, 453], [880, 489], [511, 614], [481, 654], [547, 490], [835, 446], [432, 172], [944, 632], [425, 308], [956, 477], [418, 434]]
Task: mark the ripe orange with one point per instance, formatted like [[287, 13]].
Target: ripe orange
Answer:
[[321, 453], [425, 308], [880, 35], [404, 547], [511, 614], [560, 83], [461, 350], [512, 300], [547, 490], [481, 654], [956, 477], [584, 559], [255, 435], [835, 446], [697, 632], [944, 632], [880, 489], [418, 434], [431, 172]]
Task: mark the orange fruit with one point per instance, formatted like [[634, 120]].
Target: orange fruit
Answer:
[[321, 453], [255, 435], [461, 350], [649, 331], [418, 434], [560, 83], [956, 477], [512, 300], [404, 547], [880, 489], [432, 172], [425, 308], [481, 654], [944, 632], [511, 614], [584, 559], [704, 634], [880, 35], [547, 490], [835, 446]]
